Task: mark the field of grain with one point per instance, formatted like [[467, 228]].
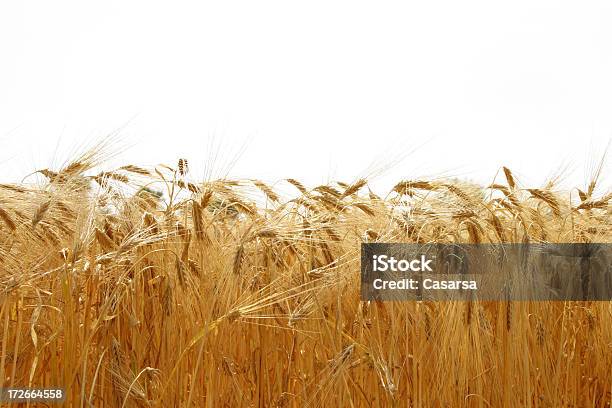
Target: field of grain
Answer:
[[138, 287]]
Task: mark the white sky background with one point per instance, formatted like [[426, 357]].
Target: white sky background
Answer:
[[313, 90]]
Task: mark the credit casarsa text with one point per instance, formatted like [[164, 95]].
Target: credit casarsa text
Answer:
[[428, 284]]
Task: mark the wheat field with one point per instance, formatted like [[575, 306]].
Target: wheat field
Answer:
[[137, 287]]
